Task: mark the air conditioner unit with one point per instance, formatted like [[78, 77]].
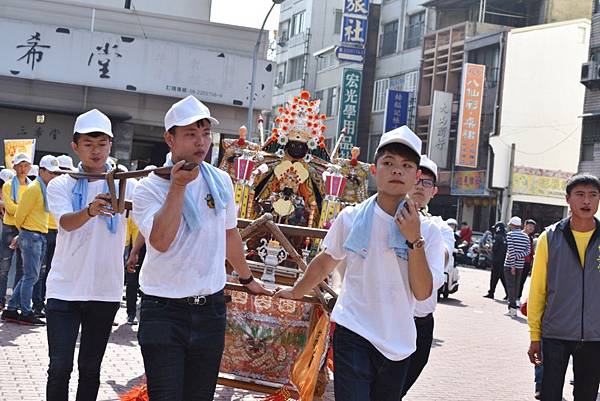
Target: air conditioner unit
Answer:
[[590, 74]]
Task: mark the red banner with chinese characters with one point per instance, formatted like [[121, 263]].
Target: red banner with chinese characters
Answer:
[[470, 115]]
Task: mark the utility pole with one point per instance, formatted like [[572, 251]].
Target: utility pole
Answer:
[[507, 206]]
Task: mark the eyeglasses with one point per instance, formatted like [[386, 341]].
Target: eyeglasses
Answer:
[[425, 182]]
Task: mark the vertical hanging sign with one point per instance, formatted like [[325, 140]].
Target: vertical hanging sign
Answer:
[[396, 110], [470, 115], [351, 83], [439, 134]]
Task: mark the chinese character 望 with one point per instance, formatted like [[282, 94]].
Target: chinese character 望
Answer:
[[104, 54]]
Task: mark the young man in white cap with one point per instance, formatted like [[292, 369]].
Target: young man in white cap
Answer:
[[190, 226], [6, 175], [422, 193], [517, 248], [84, 287], [12, 192], [389, 254], [65, 162], [31, 220]]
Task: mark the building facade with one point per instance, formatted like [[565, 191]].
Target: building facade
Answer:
[[478, 33], [61, 58], [590, 77]]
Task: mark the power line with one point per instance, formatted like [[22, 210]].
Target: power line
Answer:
[[545, 151], [139, 20]]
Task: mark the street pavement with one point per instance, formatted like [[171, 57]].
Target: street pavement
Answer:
[[478, 354]]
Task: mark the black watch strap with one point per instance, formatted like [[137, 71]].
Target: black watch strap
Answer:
[[246, 281]]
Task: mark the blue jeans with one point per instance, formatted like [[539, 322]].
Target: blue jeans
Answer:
[[32, 245], [39, 290], [419, 359], [6, 258], [63, 321], [182, 346], [586, 368], [362, 373]]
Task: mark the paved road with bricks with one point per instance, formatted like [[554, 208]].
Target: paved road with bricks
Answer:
[[479, 354]]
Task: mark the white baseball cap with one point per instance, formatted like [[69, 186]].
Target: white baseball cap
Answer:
[[65, 162], [20, 158], [50, 163], [402, 135], [93, 121], [515, 221], [6, 174], [427, 163], [187, 111], [34, 171]]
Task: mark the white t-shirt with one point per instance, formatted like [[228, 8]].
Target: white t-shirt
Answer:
[[424, 308], [376, 301], [88, 262], [194, 264]]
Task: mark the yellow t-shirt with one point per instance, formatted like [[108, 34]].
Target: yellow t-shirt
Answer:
[[132, 232], [52, 222], [10, 206], [536, 303], [31, 212]]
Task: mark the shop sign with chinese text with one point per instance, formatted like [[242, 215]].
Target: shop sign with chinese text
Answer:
[[350, 101], [469, 122]]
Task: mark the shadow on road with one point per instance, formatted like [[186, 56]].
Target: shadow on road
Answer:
[[11, 331], [437, 343], [453, 302], [124, 335], [122, 389]]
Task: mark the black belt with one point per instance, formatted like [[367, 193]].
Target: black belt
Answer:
[[423, 319], [33, 231], [198, 300]]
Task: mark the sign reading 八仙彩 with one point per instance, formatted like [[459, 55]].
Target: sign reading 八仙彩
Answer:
[[350, 101], [105, 60], [467, 146]]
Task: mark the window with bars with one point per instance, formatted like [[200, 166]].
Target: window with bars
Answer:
[[325, 61], [329, 100], [295, 69], [389, 39], [297, 24], [379, 93], [337, 22], [414, 31], [284, 31]]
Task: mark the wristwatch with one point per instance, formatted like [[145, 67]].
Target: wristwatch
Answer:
[[418, 244], [246, 281]]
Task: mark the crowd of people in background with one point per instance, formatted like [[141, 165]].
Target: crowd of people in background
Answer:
[[372, 352], [28, 242]]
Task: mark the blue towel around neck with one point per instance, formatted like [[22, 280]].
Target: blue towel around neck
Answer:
[[79, 200], [14, 188], [217, 187], [360, 233], [44, 194]]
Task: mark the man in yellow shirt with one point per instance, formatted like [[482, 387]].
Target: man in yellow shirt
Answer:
[[31, 219], [39, 290], [564, 296], [12, 191]]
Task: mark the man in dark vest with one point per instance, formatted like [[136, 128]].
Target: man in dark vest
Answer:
[[565, 294]]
